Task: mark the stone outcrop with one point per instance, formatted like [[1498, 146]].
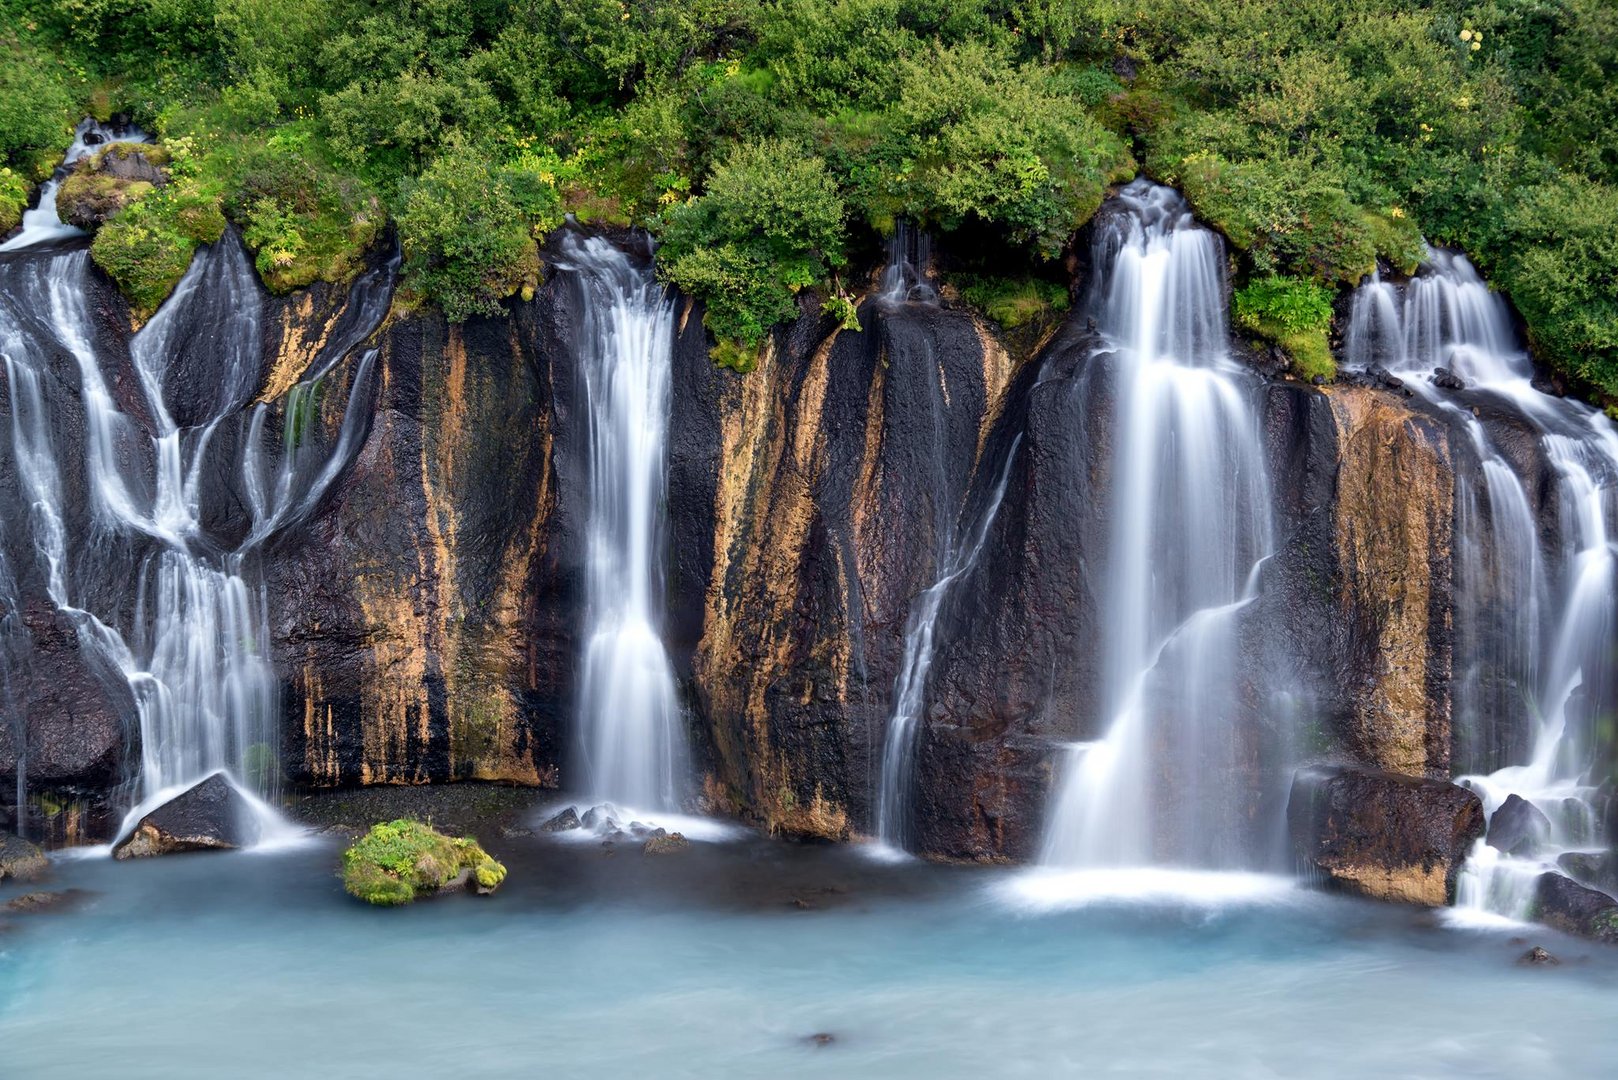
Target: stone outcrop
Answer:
[[20, 860], [1383, 835], [1575, 909], [210, 816], [1518, 827], [107, 181]]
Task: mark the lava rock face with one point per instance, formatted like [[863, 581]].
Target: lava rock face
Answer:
[[1518, 827], [1383, 835], [210, 816], [1575, 909]]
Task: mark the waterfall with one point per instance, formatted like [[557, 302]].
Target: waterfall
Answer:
[[42, 224], [1537, 604], [910, 686], [156, 596], [1190, 523], [906, 274], [630, 726]]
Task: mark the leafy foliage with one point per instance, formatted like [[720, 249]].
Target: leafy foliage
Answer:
[[762, 140], [1294, 313]]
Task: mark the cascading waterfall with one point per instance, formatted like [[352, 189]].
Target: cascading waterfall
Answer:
[[910, 686], [159, 599], [42, 224], [1190, 524], [630, 724], [906, 274], [1537, 608]]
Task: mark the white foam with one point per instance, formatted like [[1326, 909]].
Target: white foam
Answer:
[[1042, 889]]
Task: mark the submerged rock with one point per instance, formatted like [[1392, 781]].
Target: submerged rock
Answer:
[[601, 818], [1518, 827], [1563, 903], [210, 816], [401, 861], [566, 821], [36, 902], [1383, 835], [669, 844], [20, 860], [1537, 955]]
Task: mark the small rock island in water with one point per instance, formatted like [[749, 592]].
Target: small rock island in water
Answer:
[[834, 538]]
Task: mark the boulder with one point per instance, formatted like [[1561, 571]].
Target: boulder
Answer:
[[1383, 835], [210, 816], [1538, 956], [20, 860], [566, 821], [1597, 869], [404, 860], [603, 818], [669, 844], [1518, 827], [1563, 903], [106, 182]]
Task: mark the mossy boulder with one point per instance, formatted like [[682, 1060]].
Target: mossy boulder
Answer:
[[102, 185], [401, 861]]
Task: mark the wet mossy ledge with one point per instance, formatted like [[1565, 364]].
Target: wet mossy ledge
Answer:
[[401, 861]]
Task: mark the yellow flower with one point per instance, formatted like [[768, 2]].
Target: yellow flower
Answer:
[[1396, 213], [1476, 45], [1466, 35]]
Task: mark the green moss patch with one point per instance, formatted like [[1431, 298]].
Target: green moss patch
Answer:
[[400, 861]]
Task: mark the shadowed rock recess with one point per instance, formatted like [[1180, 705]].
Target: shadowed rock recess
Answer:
[[424, 611]]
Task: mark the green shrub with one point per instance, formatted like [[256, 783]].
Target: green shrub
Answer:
[[1014, 302], [15, 192], [1295, 314], [400, 861], [469, 229], [769, 224]]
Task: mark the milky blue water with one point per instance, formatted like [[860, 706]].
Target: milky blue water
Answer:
[[722, 962]]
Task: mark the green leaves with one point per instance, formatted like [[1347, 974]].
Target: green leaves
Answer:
[[769, 224]]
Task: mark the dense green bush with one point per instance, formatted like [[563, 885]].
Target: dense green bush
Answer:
[[766, 141], [1293, 313], [769, 224], [468, 228]]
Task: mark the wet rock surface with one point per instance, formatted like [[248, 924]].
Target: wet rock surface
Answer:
[[1563, 903], [1383, 835], [1518, 827], [20, 860], [1597, 869], [211, 816], [1538, 957]]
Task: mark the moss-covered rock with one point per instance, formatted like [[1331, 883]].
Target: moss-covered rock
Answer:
[[114, 177], [401, 861]]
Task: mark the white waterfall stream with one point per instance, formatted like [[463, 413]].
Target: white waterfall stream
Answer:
[[631, 730], [176, 612], [1537, 608], [1190, 522]]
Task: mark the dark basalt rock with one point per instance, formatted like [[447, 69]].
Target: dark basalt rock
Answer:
[[1445, 379], [1597, 869], [211, 816], [1538, 956], [1518, 827], [670, 844], [563, 822], [1572, 908], [1383, 835], [20, 860]]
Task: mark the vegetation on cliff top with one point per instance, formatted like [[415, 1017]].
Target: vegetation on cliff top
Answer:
[[399, 861], [768, 144]]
